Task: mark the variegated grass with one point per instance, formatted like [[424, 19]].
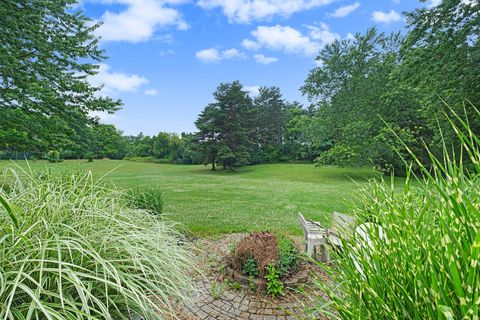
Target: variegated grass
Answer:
[[426, 264], [70, 248]]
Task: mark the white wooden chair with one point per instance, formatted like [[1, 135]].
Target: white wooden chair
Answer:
[[314, 234], [342, 226]]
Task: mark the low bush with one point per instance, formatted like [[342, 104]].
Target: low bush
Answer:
[[72, 248], [53, 156], [257, 249], [146, 198], [265, 255], [89, 156], [425, 262], [250, 267]]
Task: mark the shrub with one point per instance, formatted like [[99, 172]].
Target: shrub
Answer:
[[72, 249], [265, 255], [53, 156], [341, 155], [89, 156], [146, 198], [261, 247], [425, 263], [250, 267]]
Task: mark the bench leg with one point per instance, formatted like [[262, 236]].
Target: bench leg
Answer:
[[310, 248], [326, 253]]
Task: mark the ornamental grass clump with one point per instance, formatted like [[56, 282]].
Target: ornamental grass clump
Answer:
[[422, 257], [70, 248]]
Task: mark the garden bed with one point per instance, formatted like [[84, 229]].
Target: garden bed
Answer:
[[266, 263]]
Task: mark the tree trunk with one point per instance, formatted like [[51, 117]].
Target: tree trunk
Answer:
[[213, 165]]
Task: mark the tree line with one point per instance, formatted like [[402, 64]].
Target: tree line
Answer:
[[374, 99], [369, 97]]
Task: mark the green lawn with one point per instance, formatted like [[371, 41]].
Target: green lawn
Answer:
[[252, 198]]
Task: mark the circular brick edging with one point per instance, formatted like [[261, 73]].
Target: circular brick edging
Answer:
[[236, 303], [293, 281]]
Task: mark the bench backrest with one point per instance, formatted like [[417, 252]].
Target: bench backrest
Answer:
[[310, 227], [303, 223], [342, 224]]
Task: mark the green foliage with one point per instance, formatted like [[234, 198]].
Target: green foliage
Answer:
[[250, 267], [275, 287], [72, 250], [374, 84], [222, 135], [89, 156], [53, 156], [235, 285], [48, 50], [217, 289], [251, 282], [340, 155], [288, 255], [424, 263], [146, 198]]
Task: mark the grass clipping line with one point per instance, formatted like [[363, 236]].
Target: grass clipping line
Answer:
[[70, 248]]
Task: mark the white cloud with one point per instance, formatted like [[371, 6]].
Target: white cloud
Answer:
[[386, 17], [116, 82], [250, 44], [151, 92], [350, 36], [282, 38], [245, 11], [434, 3], [323, 34], [345, 10], [260, 58], [139, 21], [215, 55], [232, 54], [290, 40], [252, 90], [208, 55]]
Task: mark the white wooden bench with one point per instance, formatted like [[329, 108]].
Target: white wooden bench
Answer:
[[314, 234], [342, 227]]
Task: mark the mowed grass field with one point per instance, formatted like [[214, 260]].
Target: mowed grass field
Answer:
[[262, 197]]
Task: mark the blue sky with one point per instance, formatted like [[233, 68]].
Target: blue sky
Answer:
[[166, 57]]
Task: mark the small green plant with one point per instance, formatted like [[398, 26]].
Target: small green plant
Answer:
[[250, 267], [89, 156], [235, 285], [288, 255], [217, 289], [275, 287], [251, 283], [146, 198], [232, 247], [53, 156]]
